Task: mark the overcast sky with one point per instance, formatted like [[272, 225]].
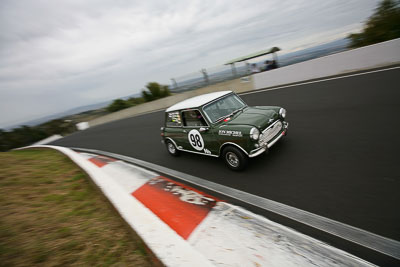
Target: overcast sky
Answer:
[[57, 55]]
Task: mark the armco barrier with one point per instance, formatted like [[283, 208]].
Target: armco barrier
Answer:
[[373, 56]]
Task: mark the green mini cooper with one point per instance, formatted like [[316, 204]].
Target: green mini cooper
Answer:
[[220, 124]]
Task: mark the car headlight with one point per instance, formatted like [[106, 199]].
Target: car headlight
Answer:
[[254, 133], [282, 113]]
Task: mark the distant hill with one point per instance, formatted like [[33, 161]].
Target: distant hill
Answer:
[[62, 114], [314, 52], [69, 112]]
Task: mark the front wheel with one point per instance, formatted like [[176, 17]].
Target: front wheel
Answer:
[[235, 158], [171, 148]]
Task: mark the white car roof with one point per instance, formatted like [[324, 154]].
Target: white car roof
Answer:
[[197, 101]]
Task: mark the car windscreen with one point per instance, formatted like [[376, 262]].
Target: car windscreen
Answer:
[[223, 107]]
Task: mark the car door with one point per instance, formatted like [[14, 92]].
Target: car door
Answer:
[[199, 137]]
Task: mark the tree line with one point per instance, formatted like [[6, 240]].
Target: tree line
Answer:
[[27, 135], [382, 26], [152, 92]]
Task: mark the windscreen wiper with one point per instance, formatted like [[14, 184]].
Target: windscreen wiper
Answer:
[[240, 109], [223, 117], [230, 114]]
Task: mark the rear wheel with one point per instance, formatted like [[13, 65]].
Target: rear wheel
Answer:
[[235, 158], [171, 148]]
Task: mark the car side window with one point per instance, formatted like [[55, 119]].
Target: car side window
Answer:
[[173, 119], [193, 118]]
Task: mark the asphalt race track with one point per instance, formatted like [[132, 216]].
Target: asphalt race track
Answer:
[[340, 159]]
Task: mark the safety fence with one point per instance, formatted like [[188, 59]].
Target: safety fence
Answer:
[[209, 76]]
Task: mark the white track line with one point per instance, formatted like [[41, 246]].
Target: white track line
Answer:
[[318, 81]]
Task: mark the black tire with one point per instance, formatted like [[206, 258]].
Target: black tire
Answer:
[[171, 148], [234, 158]]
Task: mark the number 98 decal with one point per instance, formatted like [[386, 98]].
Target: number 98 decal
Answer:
[[196, 140]]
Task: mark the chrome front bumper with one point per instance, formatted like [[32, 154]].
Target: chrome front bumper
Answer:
[[260, 150]]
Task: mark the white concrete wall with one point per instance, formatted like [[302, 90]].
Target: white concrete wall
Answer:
[[382, 54], [82, 125]]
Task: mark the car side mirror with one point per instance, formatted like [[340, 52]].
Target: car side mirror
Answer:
[[203, 129]]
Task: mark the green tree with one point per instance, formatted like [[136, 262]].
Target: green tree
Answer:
[[383, 25], [3, 140], [19, 137], [118, 104], [57, 126], [136, 100], [155, 91]]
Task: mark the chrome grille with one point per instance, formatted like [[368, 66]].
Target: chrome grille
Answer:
[[270, 133]]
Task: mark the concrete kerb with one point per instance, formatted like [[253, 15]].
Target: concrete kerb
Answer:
[[346, 232], [169, 248], [256, 241]]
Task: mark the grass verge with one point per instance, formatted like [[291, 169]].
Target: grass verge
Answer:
[[51, 215]]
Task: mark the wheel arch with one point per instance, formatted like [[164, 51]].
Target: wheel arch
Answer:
[[226, 144], [172, 140]]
